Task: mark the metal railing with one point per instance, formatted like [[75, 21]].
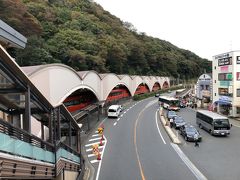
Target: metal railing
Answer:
[[20, 134]]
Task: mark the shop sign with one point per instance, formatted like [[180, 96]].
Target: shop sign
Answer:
[[224, 98], [238, 76], [225, 61], [238, 59], [229, 76], [224, 69], [224, 83]]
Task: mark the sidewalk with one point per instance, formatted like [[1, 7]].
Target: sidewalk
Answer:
[[234, 121]]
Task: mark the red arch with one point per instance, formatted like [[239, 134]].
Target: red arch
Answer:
[[118, 92], [156, 87], [165, 85], [142, 89], [79, 99]]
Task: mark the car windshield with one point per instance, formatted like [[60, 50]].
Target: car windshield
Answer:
[[111, 110], [191, 130], [172, 113], [179, 119], [221, 123]]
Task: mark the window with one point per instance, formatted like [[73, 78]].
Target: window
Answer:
[[223, 91], [207, 87], [215, 94], [238, 92], [215, 81], [238, 110], [225, 76]]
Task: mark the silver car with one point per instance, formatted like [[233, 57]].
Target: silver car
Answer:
[[178, 121]]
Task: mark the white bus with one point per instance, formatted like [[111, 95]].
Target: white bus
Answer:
[[214, 123], [169, 103], [114, 110]]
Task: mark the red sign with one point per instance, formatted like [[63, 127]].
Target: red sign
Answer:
[[238, 76]]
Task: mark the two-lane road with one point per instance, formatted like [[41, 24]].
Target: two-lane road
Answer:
[[139, 148]]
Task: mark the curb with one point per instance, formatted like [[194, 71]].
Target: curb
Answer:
[[169, 131]]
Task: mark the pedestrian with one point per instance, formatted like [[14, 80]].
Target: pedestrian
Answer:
[[171, 122], [196, 139]]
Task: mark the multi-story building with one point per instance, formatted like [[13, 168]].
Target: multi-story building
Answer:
[[226, 83]]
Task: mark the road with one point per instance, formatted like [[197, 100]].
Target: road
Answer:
[[218, 157], [135, 149]]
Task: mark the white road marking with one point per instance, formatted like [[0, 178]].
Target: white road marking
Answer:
[[118, 119], [121, 115], [87, 145], [96, 131], [124, 112], [188, 163], [95, 135], [99, 167], [115, 124], [95, 139], [158, 128], [94, 161], [99, 147], [91, 155]]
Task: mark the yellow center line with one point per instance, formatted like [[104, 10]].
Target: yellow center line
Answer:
[[135, 144]]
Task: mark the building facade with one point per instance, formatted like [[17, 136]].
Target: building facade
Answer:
[[204, 87], [226, 83]]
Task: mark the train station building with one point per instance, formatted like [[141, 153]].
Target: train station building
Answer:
[[226, 83], [39, 133]]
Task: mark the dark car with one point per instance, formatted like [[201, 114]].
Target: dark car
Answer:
[[182, 105], [171, 115], [178, 121], [188, 132]]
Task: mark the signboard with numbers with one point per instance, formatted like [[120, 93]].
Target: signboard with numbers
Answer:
[[238, 60], [225, 61]]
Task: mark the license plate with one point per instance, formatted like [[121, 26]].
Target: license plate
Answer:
[[222, 133]]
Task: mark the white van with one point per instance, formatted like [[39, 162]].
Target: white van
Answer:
[[114, 110]]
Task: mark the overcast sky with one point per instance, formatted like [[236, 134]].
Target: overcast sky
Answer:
[[205, 27]]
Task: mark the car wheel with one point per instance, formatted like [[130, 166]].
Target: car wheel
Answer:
[[186, 138], [200, 126]]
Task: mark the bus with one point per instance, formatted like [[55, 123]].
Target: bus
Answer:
[[212, 122], [169, 103]]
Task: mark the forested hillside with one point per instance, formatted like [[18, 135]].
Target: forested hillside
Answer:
[[81, 34]]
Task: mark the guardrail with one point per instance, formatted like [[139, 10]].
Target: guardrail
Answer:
[[20, 134], [84, 112]]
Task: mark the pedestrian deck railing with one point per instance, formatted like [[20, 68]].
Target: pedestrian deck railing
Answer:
[[25, 155]]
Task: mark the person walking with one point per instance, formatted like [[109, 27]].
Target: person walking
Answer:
[[196, 140], [171, 122]]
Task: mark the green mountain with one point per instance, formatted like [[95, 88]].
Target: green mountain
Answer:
[[81, 34]]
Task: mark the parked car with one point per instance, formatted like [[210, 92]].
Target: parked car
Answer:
[[182, 105], [188, 132], [171, 115], [178, 121]]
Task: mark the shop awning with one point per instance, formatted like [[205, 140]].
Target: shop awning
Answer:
[[221, 102]]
